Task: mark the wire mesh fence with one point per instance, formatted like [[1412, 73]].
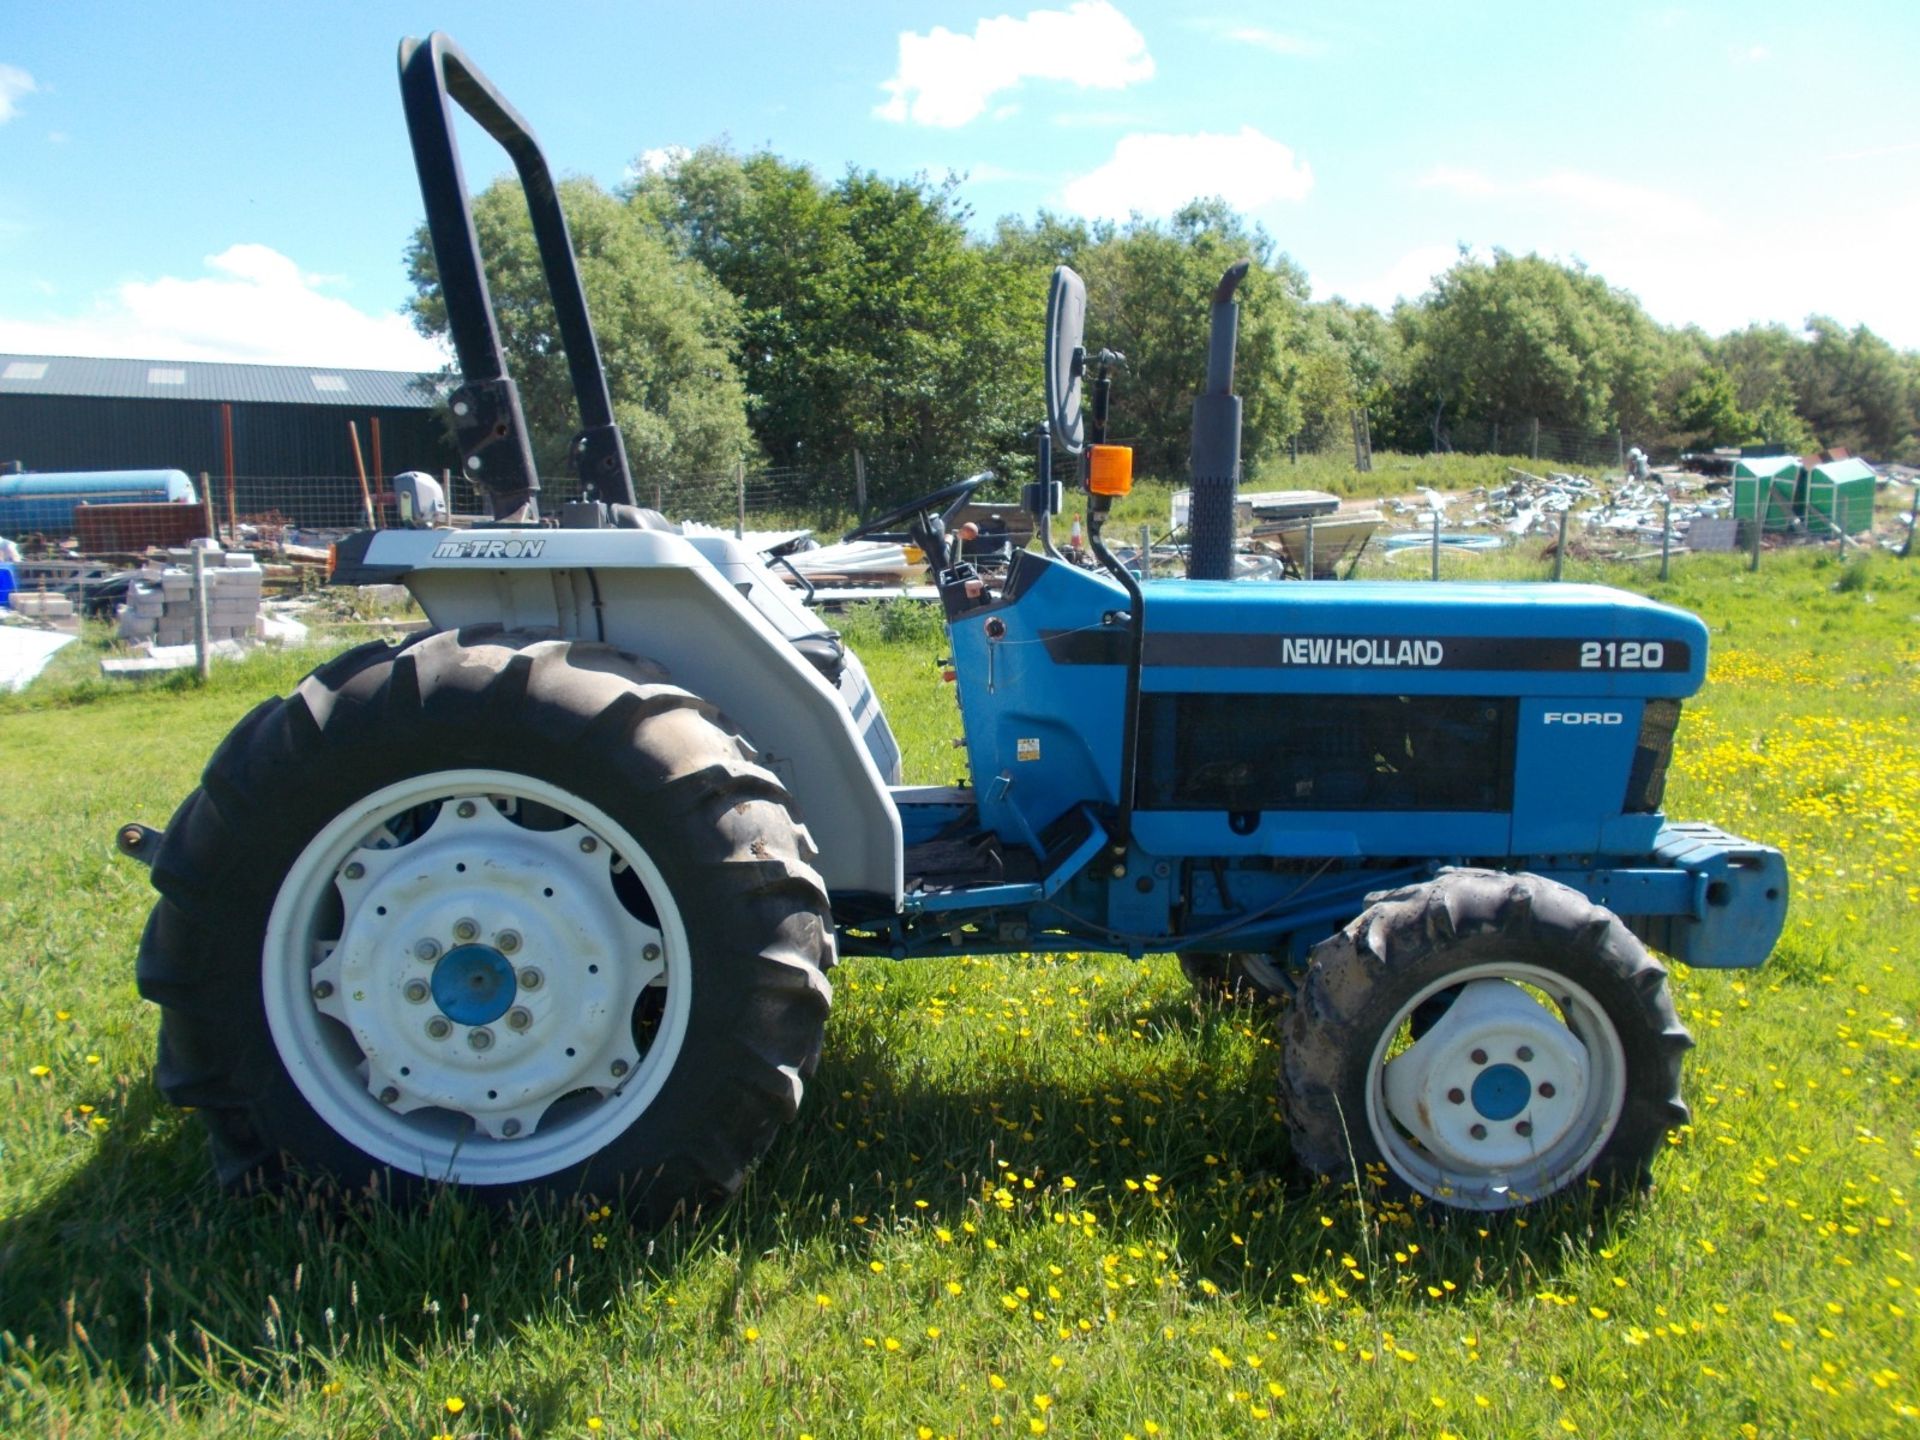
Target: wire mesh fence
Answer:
[[746, 498], [1596, 449]]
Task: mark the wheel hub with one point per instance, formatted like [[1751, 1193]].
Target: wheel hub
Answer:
[[486, 968], [1501, 1092], [1495, 1082]]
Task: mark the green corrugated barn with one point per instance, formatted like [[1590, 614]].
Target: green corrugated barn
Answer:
[[1839, 497], [1765, 485]]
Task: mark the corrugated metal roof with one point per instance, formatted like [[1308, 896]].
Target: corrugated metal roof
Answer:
[[201, 380]]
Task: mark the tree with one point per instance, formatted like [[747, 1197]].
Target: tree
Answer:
[[1852, 388], [665, 332], [1708, 410], [1149, 296], [869, 319], [1523, 338]]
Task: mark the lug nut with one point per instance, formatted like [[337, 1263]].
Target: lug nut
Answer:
[[465, 810], [427, 951], [1456, 1095], [389, 1095], [519, 1018], [531, 979], [1525, 1127], [1523, 1054], [588, 845], [481, 1039], [1546, 1089], [510, 1128], [650, 952], [1479, 1057], [439, 1027], [465, 930], [619, 1067], [1479, 1132], [507, 941], [415, 990], [354, 870]]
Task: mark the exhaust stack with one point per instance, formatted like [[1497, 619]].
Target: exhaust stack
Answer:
[[1215, 453]]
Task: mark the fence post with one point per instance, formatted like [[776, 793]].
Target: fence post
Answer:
[[203, 662], [1619, 448], [1913, 515], [1308, 575], [740, 499], [860, 484], [1560, 550], [446, 491], [226, 450], [1536, 437], [1666, 538], [1293, 448], [1146, 551], [206, 499], [1436, 544], [1760, 509]]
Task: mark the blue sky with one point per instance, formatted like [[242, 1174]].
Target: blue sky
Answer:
[[231, 181]]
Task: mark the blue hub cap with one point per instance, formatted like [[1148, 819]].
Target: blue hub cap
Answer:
[[474, 985], [1500, 1092]]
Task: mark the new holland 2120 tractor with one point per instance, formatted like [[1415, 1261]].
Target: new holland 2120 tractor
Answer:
[[544, 899]]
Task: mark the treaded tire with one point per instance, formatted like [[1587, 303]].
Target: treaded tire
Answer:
[[1407, 943], [584, 718]]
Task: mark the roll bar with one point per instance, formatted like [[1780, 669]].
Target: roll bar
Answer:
[[489, 425]]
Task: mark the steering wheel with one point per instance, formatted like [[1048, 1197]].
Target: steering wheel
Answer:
[[949, 501]]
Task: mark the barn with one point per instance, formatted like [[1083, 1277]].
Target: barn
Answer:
[[281, 431]]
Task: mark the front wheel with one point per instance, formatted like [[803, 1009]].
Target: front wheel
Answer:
[[506, 912], [1483, 1041]]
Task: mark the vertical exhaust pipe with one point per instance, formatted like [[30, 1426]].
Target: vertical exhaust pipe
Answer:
[[1215, 453]]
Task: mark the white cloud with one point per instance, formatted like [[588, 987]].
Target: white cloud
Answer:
[[1687, 262], [946, 79], [663, 160], [1576, 190], [14, 84], [1470, 183], [1295, 45], [1157, 174], [256, 305], [1749, 54], [1408, 278]]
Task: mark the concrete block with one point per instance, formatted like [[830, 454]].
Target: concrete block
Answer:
[[45, 606]]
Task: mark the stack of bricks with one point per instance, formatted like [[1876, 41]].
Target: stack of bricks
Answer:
[[160, 601]]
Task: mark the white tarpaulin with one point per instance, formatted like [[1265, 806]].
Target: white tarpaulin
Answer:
[[24, 653]]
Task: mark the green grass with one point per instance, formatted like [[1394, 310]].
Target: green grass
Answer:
[[914, 1238]]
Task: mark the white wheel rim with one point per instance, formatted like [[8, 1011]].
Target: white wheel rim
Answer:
[[1507, 1097], [520, 1060]]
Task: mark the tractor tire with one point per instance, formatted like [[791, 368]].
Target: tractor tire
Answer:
[[1480, 1042], [493, 910], [1238, 978]]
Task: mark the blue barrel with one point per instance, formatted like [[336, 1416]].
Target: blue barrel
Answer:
[[42, 501]]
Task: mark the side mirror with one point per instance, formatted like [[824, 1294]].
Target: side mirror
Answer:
[[1066, 358]]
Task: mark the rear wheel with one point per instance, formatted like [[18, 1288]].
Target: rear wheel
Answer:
[[501, 911], [1484, 1041]]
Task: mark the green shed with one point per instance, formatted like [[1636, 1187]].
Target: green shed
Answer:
[[1763, 486], [1840, 497]]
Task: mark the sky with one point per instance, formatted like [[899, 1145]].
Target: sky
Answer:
[[231, 181]]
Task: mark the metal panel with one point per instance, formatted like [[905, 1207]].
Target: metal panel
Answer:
[[320, 385]]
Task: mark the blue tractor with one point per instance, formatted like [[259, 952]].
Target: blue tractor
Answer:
[[545, 899]]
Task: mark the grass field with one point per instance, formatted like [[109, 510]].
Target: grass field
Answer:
[[1024, 1197]]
